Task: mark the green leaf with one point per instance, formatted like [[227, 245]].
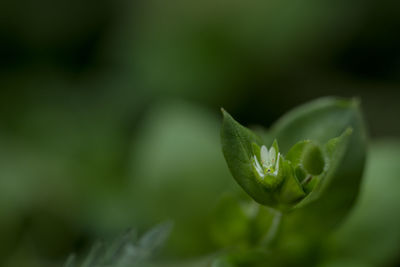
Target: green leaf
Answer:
[[334, 152], [371, 234], [319, 120], [335, 194], [306, 158], [291, 191], [237, 146], [313, 160]]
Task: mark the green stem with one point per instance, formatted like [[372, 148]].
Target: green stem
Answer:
[[273, 229]]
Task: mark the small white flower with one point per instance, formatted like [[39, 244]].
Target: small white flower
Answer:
[[269, 162]]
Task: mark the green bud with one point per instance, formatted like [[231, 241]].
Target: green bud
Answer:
[[308, 161]]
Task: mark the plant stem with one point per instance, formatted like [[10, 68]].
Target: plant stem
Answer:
[[273, 229]]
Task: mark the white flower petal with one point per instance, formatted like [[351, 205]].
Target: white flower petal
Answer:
[[272, 155], [258, 167], [265, 160], [256, 162]]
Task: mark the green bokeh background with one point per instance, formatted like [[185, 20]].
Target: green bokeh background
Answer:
[[109, 115]]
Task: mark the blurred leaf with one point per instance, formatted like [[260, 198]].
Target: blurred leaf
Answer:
[[371, 234], [345, 263], [222, 262], [230, 224], [117, 247], [154, 238], [93, 258], [123, 252]]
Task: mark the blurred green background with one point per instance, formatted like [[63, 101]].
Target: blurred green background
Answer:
[[109, 114]]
